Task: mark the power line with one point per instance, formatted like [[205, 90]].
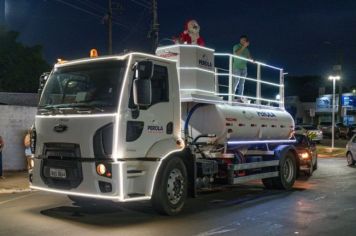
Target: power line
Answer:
[[92, 13], [140, 4], [80, 9], [96, 5], [92, 6]]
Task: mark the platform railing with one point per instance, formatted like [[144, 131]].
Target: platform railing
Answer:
[[258, 80]]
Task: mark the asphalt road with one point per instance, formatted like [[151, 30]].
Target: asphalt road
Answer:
[[321, 205]]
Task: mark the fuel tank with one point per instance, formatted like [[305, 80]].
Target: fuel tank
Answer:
[[241, 123]]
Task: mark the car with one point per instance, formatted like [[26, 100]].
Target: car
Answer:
[[325, 127], [352, 130], [311, 131], [307, 153], [343, 130], [351, 151]]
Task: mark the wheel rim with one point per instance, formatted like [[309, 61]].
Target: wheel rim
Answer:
[[288, 170], [349, 159], [175, 186]]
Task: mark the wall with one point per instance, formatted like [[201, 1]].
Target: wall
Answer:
[[14, 121]]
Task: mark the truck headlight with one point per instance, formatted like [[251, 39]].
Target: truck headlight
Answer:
[[101, 169], [104, 169]]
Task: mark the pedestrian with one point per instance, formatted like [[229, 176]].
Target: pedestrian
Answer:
[[2, 145], [27, 144], [239, 66]]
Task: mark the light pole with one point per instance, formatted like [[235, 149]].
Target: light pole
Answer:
[[333, 78]]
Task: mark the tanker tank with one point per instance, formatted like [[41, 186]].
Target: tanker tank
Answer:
[[241, 123]]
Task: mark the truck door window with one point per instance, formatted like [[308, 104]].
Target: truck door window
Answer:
[[160, 87]]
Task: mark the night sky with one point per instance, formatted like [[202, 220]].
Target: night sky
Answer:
[[304, 37]]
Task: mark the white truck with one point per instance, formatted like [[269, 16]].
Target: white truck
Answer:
[[139, 127]]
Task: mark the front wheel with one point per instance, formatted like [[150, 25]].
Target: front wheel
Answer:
[[170, 190], [350, 159]]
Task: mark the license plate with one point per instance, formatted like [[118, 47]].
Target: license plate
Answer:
[[57, 173]]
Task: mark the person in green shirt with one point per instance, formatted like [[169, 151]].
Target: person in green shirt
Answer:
[[239, 67]]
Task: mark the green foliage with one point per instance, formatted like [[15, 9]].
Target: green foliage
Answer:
[[20, 66]]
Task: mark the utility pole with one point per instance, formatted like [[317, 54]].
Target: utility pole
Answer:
[[153, 33], [110, 28]]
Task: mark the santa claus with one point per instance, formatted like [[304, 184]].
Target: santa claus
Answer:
[[190, 34]]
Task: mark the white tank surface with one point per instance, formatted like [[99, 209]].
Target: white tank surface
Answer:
[[242, 123]]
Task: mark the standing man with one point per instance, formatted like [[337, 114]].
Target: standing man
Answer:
[[239, 66], [2, 144]]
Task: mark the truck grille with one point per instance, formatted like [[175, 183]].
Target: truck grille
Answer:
[[64, 159]]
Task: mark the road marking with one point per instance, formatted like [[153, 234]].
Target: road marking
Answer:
[[17, 198]]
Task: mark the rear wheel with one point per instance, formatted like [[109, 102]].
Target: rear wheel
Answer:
[[350, 159], [287, 174], [170, 191]]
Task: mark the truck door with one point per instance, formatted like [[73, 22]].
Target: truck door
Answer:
[[148, 125]]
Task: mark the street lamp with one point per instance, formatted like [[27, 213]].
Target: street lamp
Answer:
[[333, 78]]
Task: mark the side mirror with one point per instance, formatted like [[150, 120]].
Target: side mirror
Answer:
[[42, 82], [144, 70], [142, 92]]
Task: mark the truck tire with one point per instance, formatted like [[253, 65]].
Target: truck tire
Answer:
[[170, 190], [287, 172]]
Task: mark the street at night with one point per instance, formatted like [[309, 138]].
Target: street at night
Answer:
[[321, 205], [179, 118]]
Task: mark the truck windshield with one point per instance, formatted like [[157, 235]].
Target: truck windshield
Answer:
[[91, 87]]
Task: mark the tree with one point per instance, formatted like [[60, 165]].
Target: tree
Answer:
[[20, 65]]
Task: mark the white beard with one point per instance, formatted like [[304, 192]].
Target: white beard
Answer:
[[194, 37]]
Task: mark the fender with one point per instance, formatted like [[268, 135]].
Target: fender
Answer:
[[189, 161], [281, 150]]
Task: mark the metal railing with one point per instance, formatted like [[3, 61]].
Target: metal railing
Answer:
[[258, 80]]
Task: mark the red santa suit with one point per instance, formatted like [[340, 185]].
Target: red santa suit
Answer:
[[190, 35]]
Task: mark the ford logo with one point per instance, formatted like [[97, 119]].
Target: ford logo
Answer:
[[60, 128]]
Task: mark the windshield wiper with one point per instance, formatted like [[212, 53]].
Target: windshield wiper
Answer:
[[79, 108], [53, 109], [87, 107]]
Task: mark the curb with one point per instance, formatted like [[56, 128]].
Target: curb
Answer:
[[18, 190]]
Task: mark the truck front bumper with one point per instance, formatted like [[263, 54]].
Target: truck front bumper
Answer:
[[83, 180]]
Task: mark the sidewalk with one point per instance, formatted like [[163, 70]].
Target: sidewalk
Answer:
[[14, 182]]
